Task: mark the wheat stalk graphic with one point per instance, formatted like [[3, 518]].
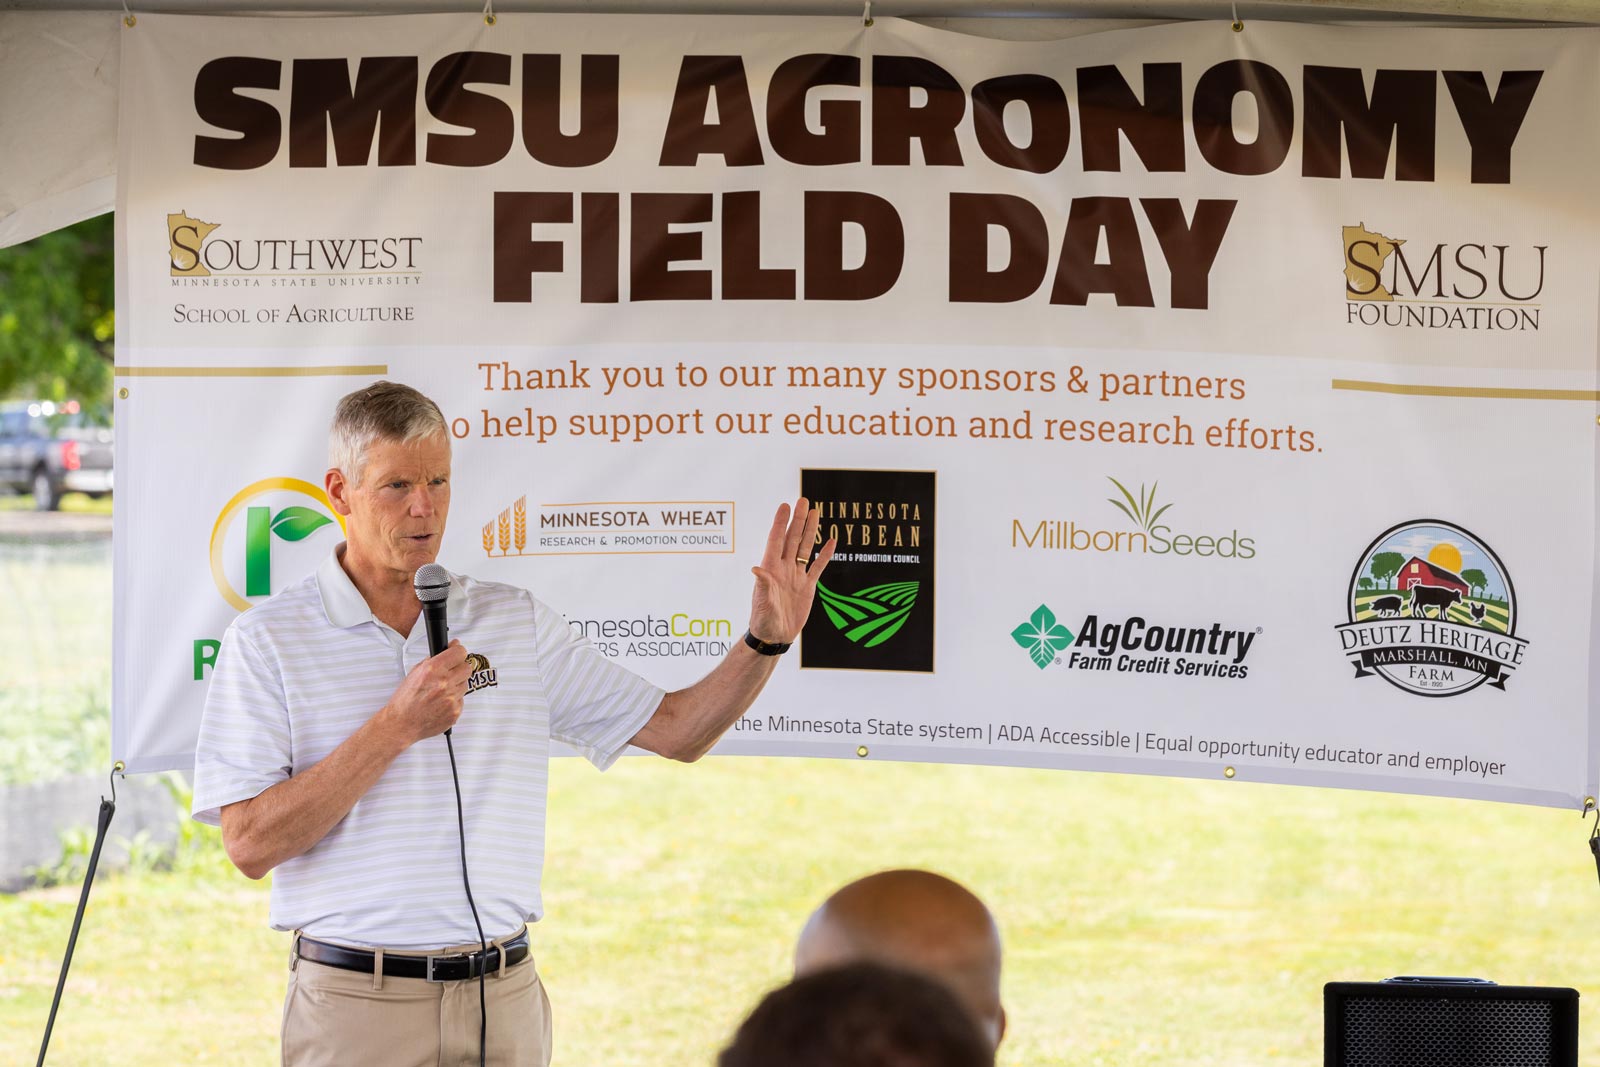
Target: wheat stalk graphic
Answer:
[[488, 538], [520, 530], [504, 523]]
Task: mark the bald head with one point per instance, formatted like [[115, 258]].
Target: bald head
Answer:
[[917, 920]]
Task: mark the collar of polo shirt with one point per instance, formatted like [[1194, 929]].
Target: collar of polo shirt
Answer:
[[346, 607]]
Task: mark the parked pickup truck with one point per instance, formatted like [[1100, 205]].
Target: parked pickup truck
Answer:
[[48, 449]]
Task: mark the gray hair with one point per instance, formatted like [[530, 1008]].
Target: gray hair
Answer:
[[383, 411]]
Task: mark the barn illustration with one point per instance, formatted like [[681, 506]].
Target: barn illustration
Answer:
[[1418, 571]]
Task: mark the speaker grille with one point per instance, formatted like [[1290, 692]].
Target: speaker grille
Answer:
[[1428, 1032]]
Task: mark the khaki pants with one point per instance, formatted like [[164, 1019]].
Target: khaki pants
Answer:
[[339, 1018]]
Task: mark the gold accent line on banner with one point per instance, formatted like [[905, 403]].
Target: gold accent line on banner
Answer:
[[1466, 391], [354, 370]]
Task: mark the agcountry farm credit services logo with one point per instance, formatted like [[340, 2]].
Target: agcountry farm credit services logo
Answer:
[[1433, 611], [876, 600], [1471, 285], [1136, 645], [266, 536]]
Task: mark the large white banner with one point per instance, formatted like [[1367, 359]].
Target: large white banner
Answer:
[[1184, 401]]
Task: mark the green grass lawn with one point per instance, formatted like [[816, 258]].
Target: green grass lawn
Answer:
[[78, 502], [1148, 922]]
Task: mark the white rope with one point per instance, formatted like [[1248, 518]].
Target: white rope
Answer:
[[866, 14], [127, 16], [1238, 27], [488, 13]]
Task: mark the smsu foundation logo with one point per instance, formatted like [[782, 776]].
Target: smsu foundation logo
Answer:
[[1474, 284], [1432, 611]]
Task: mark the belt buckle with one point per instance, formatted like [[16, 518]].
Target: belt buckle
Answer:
[[432, 961]]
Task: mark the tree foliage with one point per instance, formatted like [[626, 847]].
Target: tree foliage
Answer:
[[57, 321], [1386, 565], [1476, 579]]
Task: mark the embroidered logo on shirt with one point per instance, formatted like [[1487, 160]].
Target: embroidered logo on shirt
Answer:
[[482, 674]]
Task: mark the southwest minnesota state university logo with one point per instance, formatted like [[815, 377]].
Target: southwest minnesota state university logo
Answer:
[[875, 604], [1433, 611], [185, 237]]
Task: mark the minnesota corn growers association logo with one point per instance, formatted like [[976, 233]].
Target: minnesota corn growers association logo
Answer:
[[267, 535], [1432, 611], [876, 606]]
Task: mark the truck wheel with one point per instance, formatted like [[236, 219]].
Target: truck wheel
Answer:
[[46, 494]]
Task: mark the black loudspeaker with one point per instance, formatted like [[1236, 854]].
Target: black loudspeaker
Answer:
[[1448, 1022]]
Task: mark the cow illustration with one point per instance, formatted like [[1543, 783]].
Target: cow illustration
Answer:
[[1386, 605], [1436, 597]]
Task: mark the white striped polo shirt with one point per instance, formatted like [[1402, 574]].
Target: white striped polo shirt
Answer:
[[300, 673]]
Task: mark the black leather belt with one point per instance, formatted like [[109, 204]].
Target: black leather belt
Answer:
[[451, 968]]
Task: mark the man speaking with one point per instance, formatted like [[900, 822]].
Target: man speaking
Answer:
[[410, 930]]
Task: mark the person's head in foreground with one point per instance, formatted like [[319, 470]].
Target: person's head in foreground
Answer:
[[917, 920], [859, 1015]]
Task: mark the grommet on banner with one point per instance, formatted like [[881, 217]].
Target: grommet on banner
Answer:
[[122, 394], [861, 750], [1238, 25], [488, 13], [866, 14], [127, 16], [1228, 772]]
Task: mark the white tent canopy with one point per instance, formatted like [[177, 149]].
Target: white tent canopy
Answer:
[[59, 62]]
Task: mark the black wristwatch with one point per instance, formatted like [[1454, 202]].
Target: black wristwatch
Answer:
[[764, 647]]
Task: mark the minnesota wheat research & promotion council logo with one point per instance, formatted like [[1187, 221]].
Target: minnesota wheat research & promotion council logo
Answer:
[[1432, 611]]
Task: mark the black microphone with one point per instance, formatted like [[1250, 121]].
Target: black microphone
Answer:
[[432, 583]]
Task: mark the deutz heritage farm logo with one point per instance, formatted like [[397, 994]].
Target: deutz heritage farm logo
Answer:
[[1472, 285], [1136, 645], [875, 605], [1432, 611], [1140, 526]]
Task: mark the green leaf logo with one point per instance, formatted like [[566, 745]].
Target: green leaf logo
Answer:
[[296, 524], [872, 615], [290, 524], [1142, 510], [1042, 636]]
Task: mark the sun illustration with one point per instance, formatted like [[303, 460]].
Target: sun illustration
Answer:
[[1447, 556]]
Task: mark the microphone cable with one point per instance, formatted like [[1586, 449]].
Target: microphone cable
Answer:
[[483, 997]]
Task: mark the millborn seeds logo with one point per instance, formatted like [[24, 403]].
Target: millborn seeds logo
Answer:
[[1152, 533], [1433, 611], [877, 603], [275, 540]]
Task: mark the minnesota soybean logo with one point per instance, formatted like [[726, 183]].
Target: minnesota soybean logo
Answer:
[[1432, 610]]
